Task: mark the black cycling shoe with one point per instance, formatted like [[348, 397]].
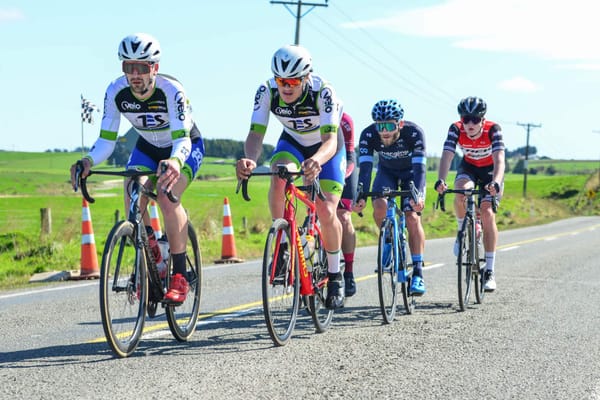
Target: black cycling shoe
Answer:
[[335, 294], [349, 284]]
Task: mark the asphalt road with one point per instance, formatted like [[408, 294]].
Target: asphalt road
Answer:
[[536, 337]]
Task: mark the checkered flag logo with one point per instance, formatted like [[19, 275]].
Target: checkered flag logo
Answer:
[[87, 110]]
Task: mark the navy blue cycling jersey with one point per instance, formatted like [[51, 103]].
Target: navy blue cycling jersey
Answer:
[[404, 159]]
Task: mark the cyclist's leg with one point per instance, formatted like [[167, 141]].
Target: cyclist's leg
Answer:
[[344, 213], [139, 161], [176, 223], [285, 153], [490, 230], [465, 179], [332, 181], [383, 178]]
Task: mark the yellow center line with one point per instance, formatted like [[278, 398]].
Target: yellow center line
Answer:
[[247, 306]]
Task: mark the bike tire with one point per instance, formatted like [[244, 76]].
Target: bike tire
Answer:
[[464, 264], [123, 290], [182, 319], [478, 272], [321, 315], [387, 272], [281, 295], [406, 269]]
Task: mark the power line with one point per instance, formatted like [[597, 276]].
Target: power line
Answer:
[[398, 59]]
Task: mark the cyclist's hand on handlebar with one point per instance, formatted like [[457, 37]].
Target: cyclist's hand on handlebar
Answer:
[[440, 186], [419, 205], [168, 174], [493, 187], [86, 171], [244, 168], [359, 206], [311, 169]]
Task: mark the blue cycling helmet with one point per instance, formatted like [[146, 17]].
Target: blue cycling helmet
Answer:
[[385, 110], [474, 106]]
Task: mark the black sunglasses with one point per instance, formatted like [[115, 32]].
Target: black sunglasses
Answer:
[[469, 118]]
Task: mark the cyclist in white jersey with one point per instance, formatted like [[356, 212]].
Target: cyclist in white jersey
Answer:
[[310, 112], [158, 109]]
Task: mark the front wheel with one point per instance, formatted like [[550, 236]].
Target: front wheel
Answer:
[[182, 319], [123, 290], [321, 315], [280, 283], [479, 273], [387, 271], [464, 264]]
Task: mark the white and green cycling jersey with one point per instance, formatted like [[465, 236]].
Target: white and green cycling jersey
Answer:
[[318, 111], [162, 120]]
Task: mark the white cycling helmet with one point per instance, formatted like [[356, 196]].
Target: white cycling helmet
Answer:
[[291, 61], [139, 47]]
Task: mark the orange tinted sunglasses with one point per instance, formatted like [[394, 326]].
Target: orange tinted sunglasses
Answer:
[[288, 81]]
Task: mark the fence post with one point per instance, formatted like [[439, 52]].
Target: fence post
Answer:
[[46, 215]]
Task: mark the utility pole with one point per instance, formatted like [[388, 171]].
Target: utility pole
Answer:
[[598, 131], [298, 15], [527, 126]]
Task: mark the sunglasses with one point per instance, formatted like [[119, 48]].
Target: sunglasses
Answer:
[[468, 118], [387, 126], [141, 68], [288, 81]]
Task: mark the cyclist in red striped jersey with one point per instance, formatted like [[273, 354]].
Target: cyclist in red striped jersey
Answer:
[[483, 160], [346, 206]]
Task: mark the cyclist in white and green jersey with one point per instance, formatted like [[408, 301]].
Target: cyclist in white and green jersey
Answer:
[[310, 112], [160, 112]]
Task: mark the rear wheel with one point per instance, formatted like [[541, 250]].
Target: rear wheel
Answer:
[[387, 272], [463, 263], [123, 290], [182, 319], [280, 283], [321, 315]]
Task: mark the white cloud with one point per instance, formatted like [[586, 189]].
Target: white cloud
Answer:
[[518, 84], [10, 14], [551, 29]]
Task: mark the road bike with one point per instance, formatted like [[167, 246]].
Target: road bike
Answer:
[[470, 259], [131, 284], [392, 265], [294, 261]]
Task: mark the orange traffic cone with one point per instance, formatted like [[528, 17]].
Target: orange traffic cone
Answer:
[[154, 219], [228, 253], [89, 258]]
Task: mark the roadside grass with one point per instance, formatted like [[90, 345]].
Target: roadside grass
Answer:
[[33, 181]]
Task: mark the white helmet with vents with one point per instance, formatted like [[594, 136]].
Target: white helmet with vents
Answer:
[[291, 61], [139, 47]]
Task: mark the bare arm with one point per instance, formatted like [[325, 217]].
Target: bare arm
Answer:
[[252, 149], [499, 166]]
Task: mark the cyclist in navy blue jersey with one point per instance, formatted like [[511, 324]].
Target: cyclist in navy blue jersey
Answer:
[[158, 109], [400, 146]]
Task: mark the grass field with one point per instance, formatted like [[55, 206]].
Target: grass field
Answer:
[[32, 181]]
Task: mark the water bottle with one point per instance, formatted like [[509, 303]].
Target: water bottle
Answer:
[[163, 244], [308, 244], [478, 230], [153, 245]]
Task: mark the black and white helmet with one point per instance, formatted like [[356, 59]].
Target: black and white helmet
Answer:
[[291, 61], [139, 47], [474, 106]]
